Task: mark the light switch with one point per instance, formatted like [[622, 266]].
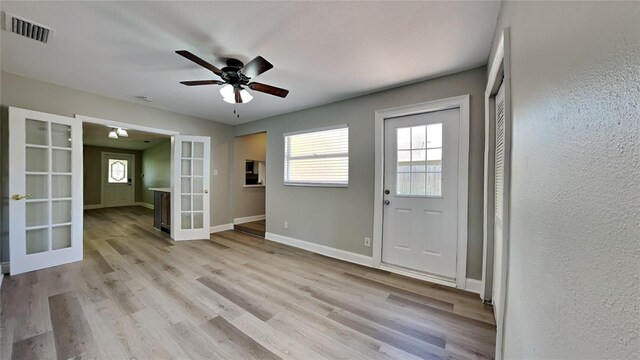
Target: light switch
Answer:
[[215, 172]]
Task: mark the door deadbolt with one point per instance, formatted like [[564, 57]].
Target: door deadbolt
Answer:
[[387, 192], [387, 202]]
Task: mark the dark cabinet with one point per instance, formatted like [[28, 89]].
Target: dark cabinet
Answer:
[[162, 211]]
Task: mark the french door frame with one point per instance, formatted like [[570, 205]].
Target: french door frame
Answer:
[[461, 102]]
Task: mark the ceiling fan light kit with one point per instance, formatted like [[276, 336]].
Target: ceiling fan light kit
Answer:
[[118, 132], [235, 76]]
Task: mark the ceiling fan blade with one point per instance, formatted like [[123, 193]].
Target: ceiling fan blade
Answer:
[[268, 89], [237, 94], [197, 60], [256, 67], [202, 82]]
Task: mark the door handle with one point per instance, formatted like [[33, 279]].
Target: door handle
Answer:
[[387, 202], [206, 191], [20, 197]]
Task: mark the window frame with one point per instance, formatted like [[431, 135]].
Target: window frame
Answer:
[[333, 156]]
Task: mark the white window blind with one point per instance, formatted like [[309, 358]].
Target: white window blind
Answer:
[[317, 157]]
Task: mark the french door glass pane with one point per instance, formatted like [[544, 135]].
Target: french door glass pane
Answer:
[[37, 241], [37, 186], [61, 135], [37, 132], [186, 220], [186, 149], [61, 237], [61, 186], [186, 167], [37, 159], [61, 161], [185, 185], [37, 213], [197, 220], [61, 211], [186, 203], [198, 150], [197, 185]]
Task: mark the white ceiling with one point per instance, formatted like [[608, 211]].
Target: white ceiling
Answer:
[[98, 135], [321, 51]]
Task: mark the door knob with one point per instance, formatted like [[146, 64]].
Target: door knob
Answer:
[[20, 197], [206, 191], [387, 202]]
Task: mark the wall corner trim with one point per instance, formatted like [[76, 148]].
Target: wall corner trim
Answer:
[[321, 249], [219, 228], [247, 219]]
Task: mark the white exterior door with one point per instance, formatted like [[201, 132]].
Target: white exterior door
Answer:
[[118, 172], [499, 199], [45, 187], [190, 194], [421, 192]]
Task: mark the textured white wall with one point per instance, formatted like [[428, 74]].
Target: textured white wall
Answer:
[[574, 268]]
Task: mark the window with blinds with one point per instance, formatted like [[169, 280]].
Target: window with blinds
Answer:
[[317, 157]]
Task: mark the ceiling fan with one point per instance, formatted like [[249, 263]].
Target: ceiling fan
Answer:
[[236, 75]]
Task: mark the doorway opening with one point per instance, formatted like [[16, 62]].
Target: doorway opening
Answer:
[[249, 183], [119, 171]]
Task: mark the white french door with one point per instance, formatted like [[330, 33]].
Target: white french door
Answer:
[[420, 217], [190, 220], [45, 187]]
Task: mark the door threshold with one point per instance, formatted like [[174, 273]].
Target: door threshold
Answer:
[[419, 275]]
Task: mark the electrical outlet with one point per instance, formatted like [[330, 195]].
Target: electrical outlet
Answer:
[[286, 224], [367, 241]]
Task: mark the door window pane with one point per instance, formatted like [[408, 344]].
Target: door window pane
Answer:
[[37, 213], [37, 132], [61, 211], [61, 161], [61, 135], [61, 186], [37, 159], [61, 237], [37, 186], [185, 220], [118, 171], [419, 160], [37, 241]]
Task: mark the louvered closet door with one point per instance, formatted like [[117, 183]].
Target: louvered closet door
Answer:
[[499, 197]]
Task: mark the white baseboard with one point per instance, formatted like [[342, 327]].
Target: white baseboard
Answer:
[[321, 249], [144, 204], [473, 286], [94, 206], [418, 275], [218, 228], [247, 219]]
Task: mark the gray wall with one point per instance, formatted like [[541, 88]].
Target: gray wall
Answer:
[[156, 169], [92, 160], [574, 268], [248, 201], [36, 95], [342, 217]]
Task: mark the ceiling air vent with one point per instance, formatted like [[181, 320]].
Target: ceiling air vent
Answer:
[[27, 28]]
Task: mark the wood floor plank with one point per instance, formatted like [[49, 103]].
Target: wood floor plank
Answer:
[[239, 299], [40, 346], [71, 332], [247, 348], [138, 294]]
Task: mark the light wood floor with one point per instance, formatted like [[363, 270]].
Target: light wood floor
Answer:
[[139, 295], [254, 227]]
